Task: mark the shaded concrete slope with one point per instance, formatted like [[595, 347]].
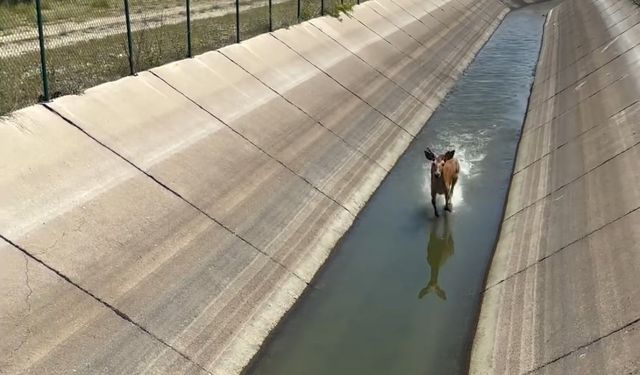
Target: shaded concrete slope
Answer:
[[164, 223], [562, 294]]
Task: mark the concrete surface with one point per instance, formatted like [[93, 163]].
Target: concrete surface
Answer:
[[164, 223], [60, 328], [561, 295]]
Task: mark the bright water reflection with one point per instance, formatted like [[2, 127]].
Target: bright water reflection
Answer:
[[439, 249]]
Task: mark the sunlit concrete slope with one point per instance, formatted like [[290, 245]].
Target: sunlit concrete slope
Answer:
[[562, 294], [164, 223]]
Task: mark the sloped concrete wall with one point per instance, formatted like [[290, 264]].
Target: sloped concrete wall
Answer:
[[164, 223], [562, 295]]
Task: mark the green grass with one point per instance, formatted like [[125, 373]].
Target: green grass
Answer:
[[100, 4], [23, 14], [77, 67], [338, 8], [14, 15], [11, 16]]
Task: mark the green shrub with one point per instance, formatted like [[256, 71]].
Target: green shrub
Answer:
[[337, 9]]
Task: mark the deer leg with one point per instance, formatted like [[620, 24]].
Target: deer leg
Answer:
[[453, 184], [433, 202], [447, 200]]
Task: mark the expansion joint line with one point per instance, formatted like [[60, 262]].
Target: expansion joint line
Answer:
[[583, 346], [420, 20], [175, 193], [411, 58], [587, 235], [438, 46], [255, 145], [574, 107], [571, 181], [355, 148], [394, 24], [374, 68], [106, 304], [573, 139], [588, 54], [343, 86], [584, 77], [384, 38]]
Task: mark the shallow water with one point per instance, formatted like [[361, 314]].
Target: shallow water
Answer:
[[402, 292]]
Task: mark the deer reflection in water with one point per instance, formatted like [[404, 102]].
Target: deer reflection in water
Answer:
[[439, 249]]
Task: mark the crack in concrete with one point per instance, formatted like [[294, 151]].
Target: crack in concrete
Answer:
[[27, 283], [106, 304], [64, 234], [24, 340], [27, 302], [58, 239]]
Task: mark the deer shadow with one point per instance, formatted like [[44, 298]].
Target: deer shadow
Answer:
[[439, 249]]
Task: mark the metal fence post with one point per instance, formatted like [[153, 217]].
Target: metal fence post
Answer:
[[322, 7], [298, 10], [43, 58], [237, 21], [189, 28], [270, 17], [129, 37]]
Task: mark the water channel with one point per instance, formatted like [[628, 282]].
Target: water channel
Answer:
[[402, 292]]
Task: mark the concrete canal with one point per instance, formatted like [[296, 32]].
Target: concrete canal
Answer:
[[402, 291]]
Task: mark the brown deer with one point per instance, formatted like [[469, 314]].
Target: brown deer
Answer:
[[444, 175]]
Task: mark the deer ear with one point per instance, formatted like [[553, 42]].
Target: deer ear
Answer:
[[449, 155], [429, 155]]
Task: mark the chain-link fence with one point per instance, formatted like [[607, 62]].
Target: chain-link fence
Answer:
[[20, 78], [50, 48]]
